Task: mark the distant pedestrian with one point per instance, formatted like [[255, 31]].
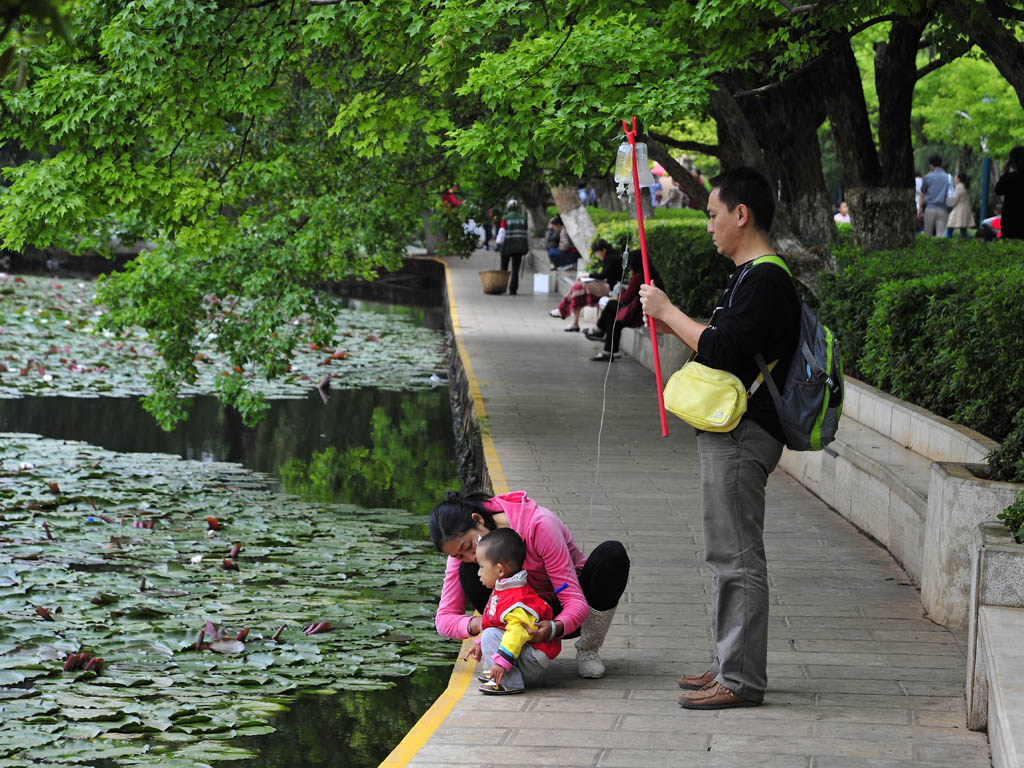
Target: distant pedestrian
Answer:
[[515, 243], [961, 216], [843, 214], [1011, 187], [563, 255], [935, 189]]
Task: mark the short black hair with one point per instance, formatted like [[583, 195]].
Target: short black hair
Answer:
[[505, 547], [935, 160], [748, 186]]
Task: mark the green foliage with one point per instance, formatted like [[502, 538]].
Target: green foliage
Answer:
[[939, 325], [847, 296], [951, 343], [1013, 516], [1007, 461], [968, 104], [682, 251]]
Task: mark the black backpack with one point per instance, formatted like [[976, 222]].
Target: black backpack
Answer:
[[811, 400]]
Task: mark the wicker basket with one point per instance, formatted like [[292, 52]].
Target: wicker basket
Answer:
[[494, 280]]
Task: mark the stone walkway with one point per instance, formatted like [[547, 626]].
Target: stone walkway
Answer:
[[857, 676]]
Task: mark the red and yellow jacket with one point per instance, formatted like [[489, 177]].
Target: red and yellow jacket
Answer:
[[511, 606]]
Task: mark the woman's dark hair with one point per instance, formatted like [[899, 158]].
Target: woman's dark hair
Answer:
[[504, 546], [454, 516], [747, 186], [965, 179], [636, 265], [600, 244], [1017, 158], [556, 220]]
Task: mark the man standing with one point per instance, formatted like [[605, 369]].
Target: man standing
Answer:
[[935, 188], [515, 244], [758, 312]]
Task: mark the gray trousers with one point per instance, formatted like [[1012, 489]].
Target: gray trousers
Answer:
[[529, 667], [935, 221], [734, 468]]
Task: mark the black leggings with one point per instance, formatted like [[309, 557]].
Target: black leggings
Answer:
[[603, 580]]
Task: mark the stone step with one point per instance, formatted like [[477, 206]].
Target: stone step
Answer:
[[1001, 630]]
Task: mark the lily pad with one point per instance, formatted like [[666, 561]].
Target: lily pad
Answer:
[[302, 562]]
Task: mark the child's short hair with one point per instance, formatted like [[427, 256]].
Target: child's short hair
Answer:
[[504, 546]]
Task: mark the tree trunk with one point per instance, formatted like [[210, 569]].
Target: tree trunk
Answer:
[[534, 198], [607, 197], [879, 183], [895, 78], [575, 218], [989, 33], [882, 217], [785, 120], [687, 182]]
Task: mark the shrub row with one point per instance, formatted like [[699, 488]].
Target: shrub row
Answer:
[[939, 325], [680, 249]]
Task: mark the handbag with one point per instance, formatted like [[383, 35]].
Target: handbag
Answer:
[[951, 196], [709, 399], [706, 398]]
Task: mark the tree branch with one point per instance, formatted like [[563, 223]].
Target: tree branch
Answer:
[[828, 50], [955, 53], [542, 67], [687, 146], [1001, 10]]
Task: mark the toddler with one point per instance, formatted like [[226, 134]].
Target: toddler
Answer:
[[512, 607]]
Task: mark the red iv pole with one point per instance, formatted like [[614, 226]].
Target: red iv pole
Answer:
[[631, 138]]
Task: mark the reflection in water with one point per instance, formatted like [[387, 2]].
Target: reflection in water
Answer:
[[350, 729], [398, 447], [368, 447]]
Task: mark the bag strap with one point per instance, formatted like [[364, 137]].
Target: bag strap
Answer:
[[765, 376]]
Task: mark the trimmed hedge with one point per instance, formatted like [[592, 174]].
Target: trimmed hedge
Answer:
[[940, 325], [681, 250]]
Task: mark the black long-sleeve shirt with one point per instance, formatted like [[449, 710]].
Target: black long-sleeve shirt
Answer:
[[764, 317], [611, 269]]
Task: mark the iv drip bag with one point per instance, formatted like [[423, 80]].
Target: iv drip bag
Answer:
[[624, 165]]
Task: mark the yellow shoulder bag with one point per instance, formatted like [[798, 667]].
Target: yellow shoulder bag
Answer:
[[708, 398]]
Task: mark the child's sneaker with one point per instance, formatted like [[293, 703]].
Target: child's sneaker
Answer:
[[485, 676], [496, 689]]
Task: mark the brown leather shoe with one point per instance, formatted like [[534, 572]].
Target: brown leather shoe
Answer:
[[696, 682], [714, 697]]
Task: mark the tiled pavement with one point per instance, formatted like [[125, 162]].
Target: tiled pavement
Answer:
[[857, 676]]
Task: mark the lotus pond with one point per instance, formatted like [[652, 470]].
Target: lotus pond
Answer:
[[326, 501]]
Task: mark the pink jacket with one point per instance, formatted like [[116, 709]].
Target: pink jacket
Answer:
[[552, 559]]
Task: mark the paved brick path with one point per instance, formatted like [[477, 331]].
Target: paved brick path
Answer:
[[857, 676]]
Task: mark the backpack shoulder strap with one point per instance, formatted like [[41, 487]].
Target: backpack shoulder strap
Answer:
[[772, 258]]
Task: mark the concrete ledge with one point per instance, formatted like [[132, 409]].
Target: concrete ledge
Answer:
[[997, 579], [999, 644], [958, 502], [913, 427]]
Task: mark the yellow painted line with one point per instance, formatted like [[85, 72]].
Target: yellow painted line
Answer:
[[462, 673]]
